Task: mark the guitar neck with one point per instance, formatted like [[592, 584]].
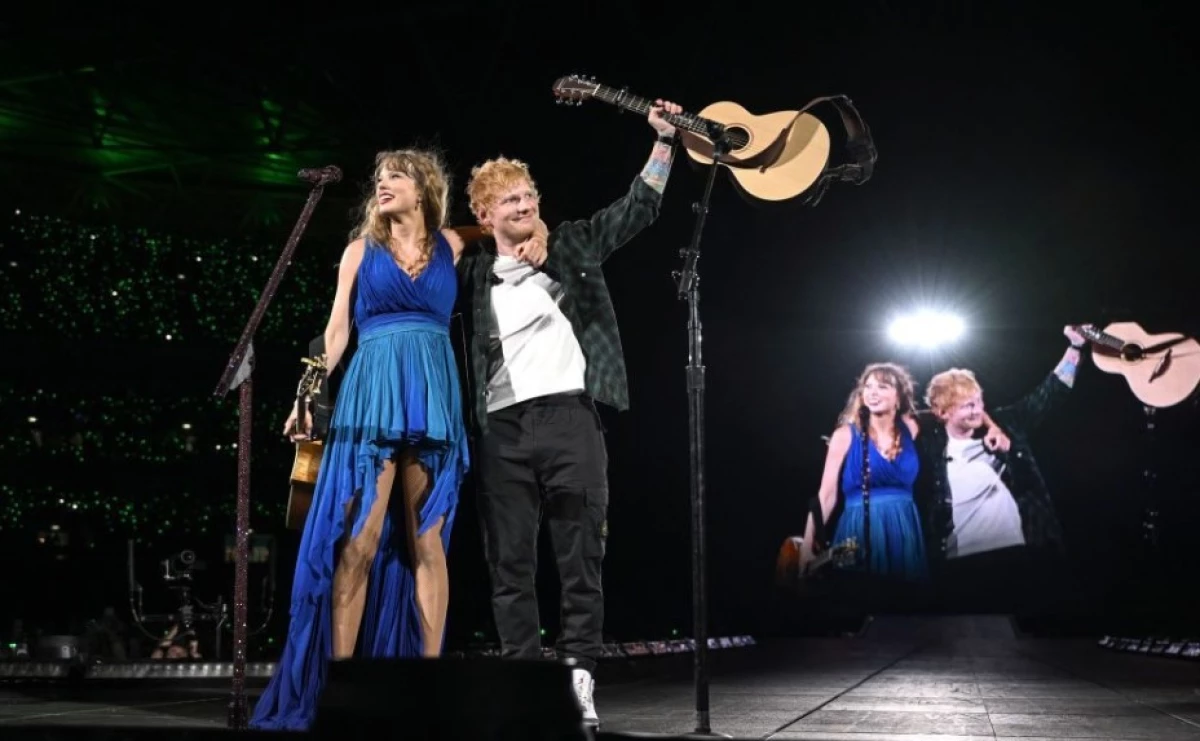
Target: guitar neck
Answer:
[[637, 104], [1100, 337], [821, 559]]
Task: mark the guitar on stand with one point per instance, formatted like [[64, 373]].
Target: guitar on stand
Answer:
[[1162, 370]]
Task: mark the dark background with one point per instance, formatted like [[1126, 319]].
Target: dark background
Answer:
[[1034, 170]]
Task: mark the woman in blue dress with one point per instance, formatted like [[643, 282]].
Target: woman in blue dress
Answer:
[[877, 427], [371, 573], [874, 449]]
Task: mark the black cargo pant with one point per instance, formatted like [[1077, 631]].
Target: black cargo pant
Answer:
[[545, 457]]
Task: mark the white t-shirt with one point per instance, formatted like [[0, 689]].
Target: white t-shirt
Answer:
[[536, 352], [986, 516]]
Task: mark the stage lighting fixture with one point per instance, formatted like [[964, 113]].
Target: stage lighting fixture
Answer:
[[926, 329]]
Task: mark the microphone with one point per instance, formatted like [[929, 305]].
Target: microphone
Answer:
[[321, 175]]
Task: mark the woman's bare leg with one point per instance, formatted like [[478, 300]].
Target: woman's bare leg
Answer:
[[427, 554], [354, 568]]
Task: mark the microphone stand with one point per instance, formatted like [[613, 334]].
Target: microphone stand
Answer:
[[689, 288], [237, 375]]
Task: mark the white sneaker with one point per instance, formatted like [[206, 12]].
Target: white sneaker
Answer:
[[584, 685]]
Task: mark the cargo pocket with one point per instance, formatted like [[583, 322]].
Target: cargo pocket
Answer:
[[596, 523]]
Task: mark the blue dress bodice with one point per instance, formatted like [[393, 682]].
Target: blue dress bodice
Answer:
[[384, 289], [888, 478]]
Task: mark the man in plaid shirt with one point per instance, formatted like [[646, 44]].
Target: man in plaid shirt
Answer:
[[543, 347], [986, 514]]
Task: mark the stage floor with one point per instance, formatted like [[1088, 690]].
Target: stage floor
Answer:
[[952, 678]]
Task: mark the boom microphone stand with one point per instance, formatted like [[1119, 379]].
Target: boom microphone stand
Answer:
[[689, 287], [237, 375]]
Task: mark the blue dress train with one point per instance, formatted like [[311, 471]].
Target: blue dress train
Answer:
[[897, 544], [401, 389]]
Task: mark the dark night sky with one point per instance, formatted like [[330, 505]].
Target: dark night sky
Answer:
[[1034, 170]]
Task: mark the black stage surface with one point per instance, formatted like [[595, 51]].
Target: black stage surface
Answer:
[[902, 678]]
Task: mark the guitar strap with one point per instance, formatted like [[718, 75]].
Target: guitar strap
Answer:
[[860, 148], [322, 403], [859, 144], [820, 537]]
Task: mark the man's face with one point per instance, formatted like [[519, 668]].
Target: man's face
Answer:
[[967, 415], [513, 216]]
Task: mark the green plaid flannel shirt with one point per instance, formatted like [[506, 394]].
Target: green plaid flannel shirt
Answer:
[[1039, 519], [577, 249]]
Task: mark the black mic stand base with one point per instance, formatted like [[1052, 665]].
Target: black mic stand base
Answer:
[[689, 287]]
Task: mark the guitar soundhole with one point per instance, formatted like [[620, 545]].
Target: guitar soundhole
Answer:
[[737, 137], [1131, 353]]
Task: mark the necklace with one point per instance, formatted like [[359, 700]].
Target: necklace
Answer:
[[414, 268]]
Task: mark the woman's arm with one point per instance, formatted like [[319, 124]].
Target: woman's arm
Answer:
[[337, 331], [994, 438], [456, 242], [532, 250], [827, 494]]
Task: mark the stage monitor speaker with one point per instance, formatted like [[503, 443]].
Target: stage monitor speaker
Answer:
[[480, 699]]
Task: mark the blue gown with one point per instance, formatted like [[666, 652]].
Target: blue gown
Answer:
[[401, 388], [897, 543]]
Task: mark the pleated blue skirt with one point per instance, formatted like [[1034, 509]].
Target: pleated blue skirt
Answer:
[[897, 545], [401, 390]]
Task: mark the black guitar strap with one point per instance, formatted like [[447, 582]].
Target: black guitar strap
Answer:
[[860, 147], [820, 537], [323, 401]]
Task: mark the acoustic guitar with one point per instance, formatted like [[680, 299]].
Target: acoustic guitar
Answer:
[[307, 464], [767, 159], [789, 573], [1162, 370]]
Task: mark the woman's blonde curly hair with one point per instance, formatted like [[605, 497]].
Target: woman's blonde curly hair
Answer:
[[432, 179]]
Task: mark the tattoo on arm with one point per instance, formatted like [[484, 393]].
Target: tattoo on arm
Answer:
[[658, 167], [1067, 366]]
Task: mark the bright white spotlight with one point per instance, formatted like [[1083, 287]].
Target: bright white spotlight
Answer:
[[927, 329]]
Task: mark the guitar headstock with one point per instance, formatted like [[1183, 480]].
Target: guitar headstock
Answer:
[[574, 89], [1088, 332], [843, 553], [310, 382]]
